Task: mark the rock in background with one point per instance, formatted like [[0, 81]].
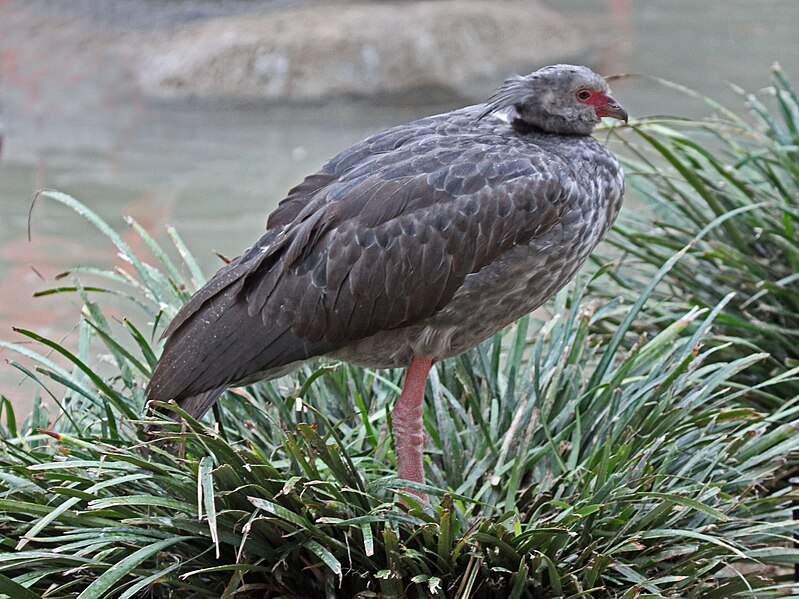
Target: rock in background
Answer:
[[317, 52]]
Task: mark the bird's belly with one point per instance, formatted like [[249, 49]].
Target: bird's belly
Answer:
[[499, 294]]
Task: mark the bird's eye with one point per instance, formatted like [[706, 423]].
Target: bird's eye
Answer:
[[583, 94]]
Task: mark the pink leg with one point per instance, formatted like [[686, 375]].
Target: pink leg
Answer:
[[407, 418]]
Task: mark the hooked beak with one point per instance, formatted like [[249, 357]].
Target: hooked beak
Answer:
[[612, 109]]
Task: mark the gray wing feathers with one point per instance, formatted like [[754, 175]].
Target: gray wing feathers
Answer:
[[208, 354], [352, 271], [378, 242], [197, 405]]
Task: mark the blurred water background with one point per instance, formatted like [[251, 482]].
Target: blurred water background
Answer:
[[74, 118]]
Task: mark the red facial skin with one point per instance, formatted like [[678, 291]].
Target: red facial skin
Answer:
[[603, 104]]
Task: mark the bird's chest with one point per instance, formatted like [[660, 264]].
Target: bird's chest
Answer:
[[523, 278]]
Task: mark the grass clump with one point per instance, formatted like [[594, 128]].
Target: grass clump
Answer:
[[628, 448], [580, 466], [691, 173]]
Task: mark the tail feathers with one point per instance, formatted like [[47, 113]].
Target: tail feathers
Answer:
[[197, 405], [194, 405]]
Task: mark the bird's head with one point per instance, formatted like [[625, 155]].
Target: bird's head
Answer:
[[564, 99]]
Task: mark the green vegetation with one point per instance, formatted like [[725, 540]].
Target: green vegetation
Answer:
[[691, 174], [630, 447]]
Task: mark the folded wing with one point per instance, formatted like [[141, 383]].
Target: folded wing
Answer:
[[381, 238]]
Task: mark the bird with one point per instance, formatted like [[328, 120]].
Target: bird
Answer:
[[410, 247]]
